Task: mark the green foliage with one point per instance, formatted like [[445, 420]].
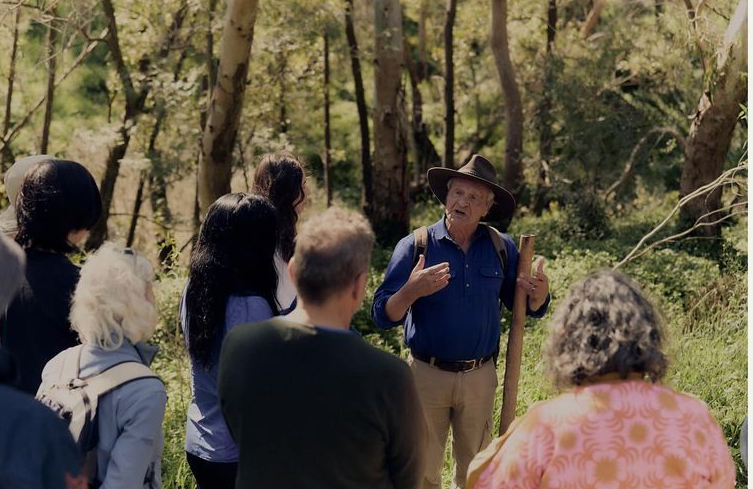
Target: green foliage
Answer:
[[641, 69]]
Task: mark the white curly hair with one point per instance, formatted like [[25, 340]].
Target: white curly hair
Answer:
[[112, 300]]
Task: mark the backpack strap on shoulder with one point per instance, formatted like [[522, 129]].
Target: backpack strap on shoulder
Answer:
[[102, 383], [420, 242], [499, 245], [71, 364]]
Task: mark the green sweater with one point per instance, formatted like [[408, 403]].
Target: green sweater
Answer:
[[311, 407]]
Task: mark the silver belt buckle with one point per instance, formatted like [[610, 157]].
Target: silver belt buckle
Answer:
[[474, 365]]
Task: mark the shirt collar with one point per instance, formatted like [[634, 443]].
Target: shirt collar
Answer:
[[440, 230]]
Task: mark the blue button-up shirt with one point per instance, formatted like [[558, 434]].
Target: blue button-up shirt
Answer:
[[462, 320]]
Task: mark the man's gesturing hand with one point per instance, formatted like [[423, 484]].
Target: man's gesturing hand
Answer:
[[536, 286], [426, 281], [421, 282]]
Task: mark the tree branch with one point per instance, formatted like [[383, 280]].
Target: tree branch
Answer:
[[725, 178], [8, 137], [661, 131]]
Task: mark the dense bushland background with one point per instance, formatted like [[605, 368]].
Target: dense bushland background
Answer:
[[626, 108]]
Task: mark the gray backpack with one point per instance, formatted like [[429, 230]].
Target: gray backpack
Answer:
[[75, 399]]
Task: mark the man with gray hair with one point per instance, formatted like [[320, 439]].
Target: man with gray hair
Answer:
[[445, 284], [308, 402]]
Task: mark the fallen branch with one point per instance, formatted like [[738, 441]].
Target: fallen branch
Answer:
[[725, 178]]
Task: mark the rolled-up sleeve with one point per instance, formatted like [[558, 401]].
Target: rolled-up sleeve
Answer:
[[396, 275]]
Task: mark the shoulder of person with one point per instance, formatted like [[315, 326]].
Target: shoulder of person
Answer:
[[384, 363], [246, 303], [242, 334], [51, 370], [148, 394]]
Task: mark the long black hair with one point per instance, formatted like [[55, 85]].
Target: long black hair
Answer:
[[56, 197], [234, 255], [280, 178]]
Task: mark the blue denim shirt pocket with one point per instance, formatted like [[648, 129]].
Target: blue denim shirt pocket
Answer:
[[490, 282]]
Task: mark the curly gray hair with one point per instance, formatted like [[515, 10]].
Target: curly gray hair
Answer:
[[605, 325]]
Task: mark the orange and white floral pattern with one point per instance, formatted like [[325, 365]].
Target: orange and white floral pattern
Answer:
[[612, 435]]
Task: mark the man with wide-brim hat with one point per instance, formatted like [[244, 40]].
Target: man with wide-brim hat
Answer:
[[444, 283]]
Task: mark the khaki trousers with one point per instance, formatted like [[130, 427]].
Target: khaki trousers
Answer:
[[463, 400]]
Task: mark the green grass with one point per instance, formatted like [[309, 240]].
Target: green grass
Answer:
[[703, 297]]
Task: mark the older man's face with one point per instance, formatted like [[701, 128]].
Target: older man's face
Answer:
[[467, 202]]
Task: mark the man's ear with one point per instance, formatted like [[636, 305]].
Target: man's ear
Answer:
[[359, 286], [291, 270]]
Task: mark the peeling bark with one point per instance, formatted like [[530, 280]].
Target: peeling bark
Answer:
[[223, 117]]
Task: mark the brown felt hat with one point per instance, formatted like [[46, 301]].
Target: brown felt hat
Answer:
[[480, 170]]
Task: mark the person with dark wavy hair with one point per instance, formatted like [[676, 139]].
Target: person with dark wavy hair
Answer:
[[231, 280], [57, 204], [281, 178]]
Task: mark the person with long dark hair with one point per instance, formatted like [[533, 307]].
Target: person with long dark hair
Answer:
[[281, 178], [57, 204], [231, 280]]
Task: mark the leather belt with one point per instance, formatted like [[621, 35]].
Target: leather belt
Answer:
[[452, 366]]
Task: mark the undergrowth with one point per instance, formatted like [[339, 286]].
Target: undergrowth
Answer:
[[702, 295]]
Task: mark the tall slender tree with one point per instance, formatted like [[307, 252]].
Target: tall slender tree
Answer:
[[327, 130], [7, 155], [513, 172], [390, 216], [367, 195], [225, 108], [449, 85], [544, 112], [52, 37], [135, 99], [425, 153]]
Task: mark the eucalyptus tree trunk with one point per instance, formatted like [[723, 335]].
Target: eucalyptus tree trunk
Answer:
[[544, 114], [52, 35], [223, 117], [512, 176], [711, 131], [422, 71], [282, 61], [327, 132], [367, 194], [449, 86], [134, 107], [208, 81], [134, 104], [7, 155], [425, 153], [391, 213]]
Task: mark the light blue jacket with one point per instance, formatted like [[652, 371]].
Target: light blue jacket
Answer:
[[207, 436], [130, 419]]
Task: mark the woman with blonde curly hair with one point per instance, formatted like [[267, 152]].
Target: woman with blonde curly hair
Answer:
[[616, 426], [113, 313]]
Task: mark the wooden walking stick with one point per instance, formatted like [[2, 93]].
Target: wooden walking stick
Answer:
[[514, 354]]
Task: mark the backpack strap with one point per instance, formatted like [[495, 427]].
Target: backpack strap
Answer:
[[115, 376], [71, 364], [420, 242], [499, 245]]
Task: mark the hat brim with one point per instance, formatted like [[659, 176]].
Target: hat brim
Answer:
[[504, 202]]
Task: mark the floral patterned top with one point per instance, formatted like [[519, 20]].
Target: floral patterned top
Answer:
[[613, 434]]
